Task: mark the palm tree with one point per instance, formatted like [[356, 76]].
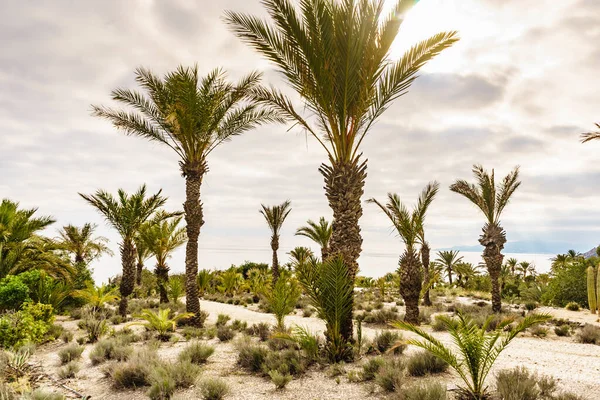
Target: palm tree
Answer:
[[275, 216], [126, 213], [301, 255], [142, 254], [192, 116], [82, 244], [512, 263], [449, 259], [491, 200], [161, 238], [98, 296], [320, 233], [526, 267], [334, 54], [465, 271], [586, 137], [409, 226], [425, 257]]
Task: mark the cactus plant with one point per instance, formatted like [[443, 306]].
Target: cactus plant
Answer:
[[591, 289]]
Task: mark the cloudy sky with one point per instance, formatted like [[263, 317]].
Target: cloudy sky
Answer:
[[516, 90]]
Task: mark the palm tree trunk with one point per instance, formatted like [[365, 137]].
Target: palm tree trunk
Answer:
[[450, 275], [275, 266], [425, 250], [128, 279], [324, 253], [162, 278], [344, 187], [493, 261], [411, 280], [140, 268], [192, 207]]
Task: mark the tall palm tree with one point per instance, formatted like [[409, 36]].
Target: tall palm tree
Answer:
[[126, 213], [82, 244], [192, 116], [142, 254], [425, 257], [335, 55], [161, 237], [586, 137], [491, 200], [275, 216], [449, 259], [409, 226], [512, 263], [320, 233]]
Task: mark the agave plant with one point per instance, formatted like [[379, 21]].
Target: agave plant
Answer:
[[97, 296], [160, 322], [477, 349]]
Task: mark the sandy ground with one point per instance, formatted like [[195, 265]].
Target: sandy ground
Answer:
[[576, 366]]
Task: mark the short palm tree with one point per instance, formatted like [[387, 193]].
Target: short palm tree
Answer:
[[586, 137], [275, 216], [320, 233], [282, 297], [477, 349], [526, 267], [142, 254], [126, 213], [491, 200], [192, 116], [409, 226], [449, 259], [161, 238], [301, 254], [512, 263], [161, 322], [335, 55], [97, 296], [204, 280], [82, 244], [464, 272]]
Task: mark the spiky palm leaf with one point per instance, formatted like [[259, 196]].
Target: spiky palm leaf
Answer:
[[160, 321], [276, 215], [586, 137], [320, 233], [97, 296], [300, 255], [476, 348]]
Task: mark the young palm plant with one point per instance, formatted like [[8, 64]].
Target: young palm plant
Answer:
[[335, 55], [300, 254], [160, 322], [82, 244], [512, 263], [192, 116], [282, 297], [275, 216], [449, 259], [161, 238], [491, 200], [409, 226], [126, 213], [477, 349], [204, 281], [97, 296], [320, 233], [330, 290]]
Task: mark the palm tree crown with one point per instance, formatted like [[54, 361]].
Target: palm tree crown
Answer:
[[276, 215], [162, 238], [82, 243], [449, 259], [319, 233]]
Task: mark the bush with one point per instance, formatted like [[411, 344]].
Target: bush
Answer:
[[280, 380], [68, 371], [438, 325], [589, 334], [539, 331], [371, 367], [426, 391], [390, 376], [162, 385], [136, 371], [225, 333], [213, 389], [424, 362], [517, 384], [562, 330], [196, 352], [39, 394], [66, 336], [191, 332], [251, 356], [29, 324], [262, 330], [530, 305], [222, 319], [95, 325], [381, 317], [286, 361], [572, 306], [13, 293], [110, 349], [387, 339], [70, 353], [568, 285], [238, 325]]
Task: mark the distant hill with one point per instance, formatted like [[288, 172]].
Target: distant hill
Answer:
[[590, 253]]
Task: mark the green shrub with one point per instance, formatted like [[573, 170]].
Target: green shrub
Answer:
[[371, 367], [572, 306], [66, 336], [162, 385], [222, 320], [225, 333], [517, 384], [424, 362], [184, 373], [110, 349], [251, 356], [285, 361], [29, 324], [390, 376], [136, 371], [425, 391], [70, 353], [213, 389], [196, 352], [262, 330], [568, 396], [191, 332], [539, 331], [530, 305], [13, 293], [40, 394], [562, 330], [387, 339], [95, 325], [589, 334], [280, 380], [238, 325], [68, 371], [381, 317], [569, 284]]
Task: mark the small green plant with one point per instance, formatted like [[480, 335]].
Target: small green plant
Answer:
[[280, 380], [477, 347], [520, 384], [94, 323], [66, 336], [371, 367], [196, 352], [388, 340], [281, 298], [110, 349], [530, 305], [160, 322], [238, 325], [40, 394], [213, 389], [572, 306], [68, 371], [251, 356], [589, 334], [425, 391], [222, 320], [262, 330], [390, 376], [563, 330], [539, 331], [70, 353], [97, 296], [175, 289], [424, 362], [225, 333]]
